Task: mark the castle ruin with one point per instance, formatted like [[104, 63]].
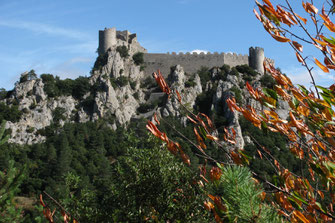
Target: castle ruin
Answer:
[[110, 38]]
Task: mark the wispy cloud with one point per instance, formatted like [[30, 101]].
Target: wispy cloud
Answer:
[[44, 29], [301, 76]]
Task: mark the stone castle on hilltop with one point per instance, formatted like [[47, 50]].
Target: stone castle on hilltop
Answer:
[[110, 38]]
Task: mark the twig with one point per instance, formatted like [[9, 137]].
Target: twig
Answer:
[[59, 205]]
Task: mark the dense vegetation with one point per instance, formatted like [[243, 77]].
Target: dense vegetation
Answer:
[[55, 87], [100, 174]]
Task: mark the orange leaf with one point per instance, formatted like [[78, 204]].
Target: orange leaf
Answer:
[[280, 38], [156, 119], [199, 138], [257, 15], [191, 119], [41, 201], [209, 121], [329, 63], [184, 157], [321, 194], [297, 46], [299, 215], [178, 95], [260, 154], [208, 205], [301, 18], [213, 138], [322, 43], [277, 164], [323, 68], [215, 173]]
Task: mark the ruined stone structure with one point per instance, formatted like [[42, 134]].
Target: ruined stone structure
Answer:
[[111, 38], [256, 58], [190, 62]]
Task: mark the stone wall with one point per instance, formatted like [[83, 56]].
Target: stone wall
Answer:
[[190, 62]]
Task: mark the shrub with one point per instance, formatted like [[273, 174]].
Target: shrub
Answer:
[[190, 82], [238, 95], [204, 75], [242, 197], [138, 58], [100, 62], [136, 95], [148, 82], [234, 72], [123, 51], [3, 93], [267, 81], [58, 114], [145, 107], [245, 69], [10, 113], [132, 84]]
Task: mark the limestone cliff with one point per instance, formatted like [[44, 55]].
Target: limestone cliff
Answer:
[[118, 91]]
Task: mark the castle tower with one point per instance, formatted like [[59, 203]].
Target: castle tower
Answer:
[[107, 39], [256, 59]]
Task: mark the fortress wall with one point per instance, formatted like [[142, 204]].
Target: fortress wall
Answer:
[[235, 59], [190, 62]]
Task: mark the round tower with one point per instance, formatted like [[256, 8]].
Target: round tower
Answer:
[[256, 59], [107, 39]]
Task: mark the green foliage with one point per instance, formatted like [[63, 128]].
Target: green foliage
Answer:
[[148, 83], [136, 95], [190, 82], [275, 143], [58, 114], [241, 197], [237, 93], [146, 107], [3, 137], [81, 86], [9, 113], [205, 76], [123, 51], [203, 102], [245, 69], [100, 62], [3, 93], [248, 72], [151, 185], [120, 81], [225, 69], [55, 87], [10, 181], [31, 75], [234, 72], [138, 58], [267, 81], [132, 84]]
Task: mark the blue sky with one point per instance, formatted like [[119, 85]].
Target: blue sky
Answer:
[[61, 37]]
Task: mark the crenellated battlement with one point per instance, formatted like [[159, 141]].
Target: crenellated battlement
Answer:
[[191, 62], [110, 38]]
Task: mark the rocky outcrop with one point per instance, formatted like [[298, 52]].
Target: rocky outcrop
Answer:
[[118, 89], [188, 95]]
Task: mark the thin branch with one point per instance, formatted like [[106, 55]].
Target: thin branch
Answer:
[[59, 205]]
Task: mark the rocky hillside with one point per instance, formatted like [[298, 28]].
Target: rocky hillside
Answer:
[[119, 91]]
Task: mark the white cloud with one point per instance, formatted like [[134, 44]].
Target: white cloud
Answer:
[[302, 77], [44, 28], [199, 51]]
